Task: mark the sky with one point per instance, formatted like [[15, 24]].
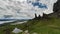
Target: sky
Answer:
[[25, 9], [20, 0]]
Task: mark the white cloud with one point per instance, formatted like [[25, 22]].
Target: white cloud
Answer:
[[25, 10], [20, 0]]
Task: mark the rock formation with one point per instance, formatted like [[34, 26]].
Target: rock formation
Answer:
[[56, 13]]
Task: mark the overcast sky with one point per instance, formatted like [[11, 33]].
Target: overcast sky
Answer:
[[25, 9]]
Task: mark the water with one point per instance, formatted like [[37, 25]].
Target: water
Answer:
[[16, 21], [2, 22]]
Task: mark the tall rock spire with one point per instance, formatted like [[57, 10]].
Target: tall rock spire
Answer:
[[35, 15]]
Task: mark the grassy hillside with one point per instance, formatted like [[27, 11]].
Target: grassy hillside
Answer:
[[44, 26]]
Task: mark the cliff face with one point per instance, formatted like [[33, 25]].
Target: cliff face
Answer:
[[56, 8]]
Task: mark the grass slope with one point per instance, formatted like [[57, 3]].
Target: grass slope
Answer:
[[45, 26]]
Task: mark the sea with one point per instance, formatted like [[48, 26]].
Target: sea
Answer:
[[2, 21]]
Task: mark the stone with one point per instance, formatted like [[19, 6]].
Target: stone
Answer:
[[16, 31]]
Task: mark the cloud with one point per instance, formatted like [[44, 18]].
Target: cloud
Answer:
[[23, 10]]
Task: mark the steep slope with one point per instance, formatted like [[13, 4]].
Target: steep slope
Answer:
[[51, 26]]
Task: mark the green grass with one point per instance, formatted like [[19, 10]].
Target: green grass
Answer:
[[45, 26], [51, 26]]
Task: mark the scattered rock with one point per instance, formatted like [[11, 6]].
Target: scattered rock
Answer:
[[16, 31], [35, 33], [26, 32]]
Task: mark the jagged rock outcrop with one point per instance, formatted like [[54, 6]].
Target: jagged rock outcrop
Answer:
[[56, 6], [56, 9], [45, 16], [35, 15]]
